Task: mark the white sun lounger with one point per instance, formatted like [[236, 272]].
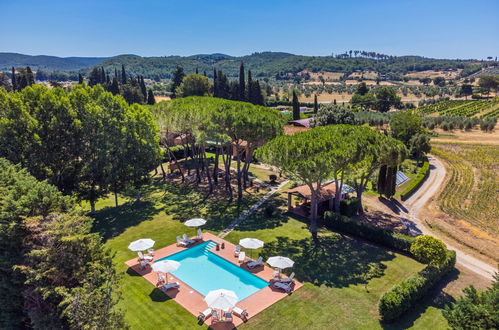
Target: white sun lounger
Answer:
[[237, 250], [181, 242], [290, 279], [286, 288], [242, 256], [161, 279], [187, 239], [143, 257], [242, 313], [257, 263], [205, 314], [199, 237], [171, 285]]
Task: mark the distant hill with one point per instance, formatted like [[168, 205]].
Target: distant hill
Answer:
[[48, 63], [277, 64]]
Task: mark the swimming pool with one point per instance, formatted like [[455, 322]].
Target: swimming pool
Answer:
[[204, 271]]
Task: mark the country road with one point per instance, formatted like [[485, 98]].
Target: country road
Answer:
[[417, 201]]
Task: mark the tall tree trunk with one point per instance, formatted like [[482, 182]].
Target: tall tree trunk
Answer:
[[215, 165], [239, 179], [208, 174], [313, 212], [116, 198], [163, 173], [337, 196], [92, 206], [246, 167], [227, 160]]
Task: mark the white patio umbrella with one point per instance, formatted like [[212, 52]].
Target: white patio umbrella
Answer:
[[280, 262], [221, 299], [165, 266], [196, 222], [251, 243], [141, 244]]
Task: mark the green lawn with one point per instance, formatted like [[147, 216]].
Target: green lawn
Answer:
[[332, 268]]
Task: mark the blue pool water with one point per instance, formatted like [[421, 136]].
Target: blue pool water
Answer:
[[205, 271]]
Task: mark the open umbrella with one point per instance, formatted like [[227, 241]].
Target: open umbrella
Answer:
[[196, 222], [221, 299], [165, 266], [251, 243], [141, 244], [280, 262]]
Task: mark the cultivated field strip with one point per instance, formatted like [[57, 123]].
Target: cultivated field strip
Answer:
[[462, 108]]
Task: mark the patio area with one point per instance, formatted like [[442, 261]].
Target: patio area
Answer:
[[193, 301]]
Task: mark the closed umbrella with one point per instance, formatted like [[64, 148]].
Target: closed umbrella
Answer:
[[141, 244], [251, 243], [165, 266], [280, 262], [221, 299]]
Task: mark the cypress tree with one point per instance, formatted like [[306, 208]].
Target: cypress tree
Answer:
[[30, 77], [14, 80], [177, 77], [204, 73], [102, 75], [80, 78], [382, 180], [391, 174], [258, 94], [116, 73], [143, 87], [197, 71], [242, 83], [249, 96], [123, 74], [114, 87], [215, 83], [316, 104], [150, 97], [296, 106]]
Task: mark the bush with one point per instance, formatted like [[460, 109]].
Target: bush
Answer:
[[381, 236], [428, 250], [417, 181], [404, 295], [349, 207]]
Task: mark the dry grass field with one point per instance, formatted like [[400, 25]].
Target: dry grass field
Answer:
[[433, 74]]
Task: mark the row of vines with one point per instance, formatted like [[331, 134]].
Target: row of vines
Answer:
[[461, 108]]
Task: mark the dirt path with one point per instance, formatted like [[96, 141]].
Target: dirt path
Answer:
[[417, 201]]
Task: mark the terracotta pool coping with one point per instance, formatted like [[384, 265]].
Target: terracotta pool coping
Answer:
[[193, 301]]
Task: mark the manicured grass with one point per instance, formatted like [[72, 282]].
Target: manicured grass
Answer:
[[332, 267]]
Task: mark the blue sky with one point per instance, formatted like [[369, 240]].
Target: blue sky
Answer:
[[436, 28]]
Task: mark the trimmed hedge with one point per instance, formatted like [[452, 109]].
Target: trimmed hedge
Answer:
[[417, 181], [349, 207], [381, 236], [404, 295]]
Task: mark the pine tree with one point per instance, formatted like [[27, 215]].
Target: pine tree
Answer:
[[150, 97], [316, 104], [123, 74], [80, 78], [296, 106], [13, 79], [249, 96], [242, 83]]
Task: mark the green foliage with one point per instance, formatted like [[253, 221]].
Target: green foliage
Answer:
[[333, 114], [365, 101], [404, 125], [488, 83], [386, 97], [416, 181], [349, 206], [378, 235], [177, 77], [428, 250], [193, 85], [419, 146], [404, 296], [296, 106], [475, 309]]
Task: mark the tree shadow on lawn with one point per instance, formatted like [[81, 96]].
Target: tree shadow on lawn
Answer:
[[112, 221], [159, 296], [436, 298], [270, 215], [330, 260]]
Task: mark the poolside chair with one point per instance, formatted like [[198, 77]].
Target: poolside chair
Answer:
[[150, 252], [288, 280], [171, 285], [237, 250], [215, 317], [161, 280], [242, 256], [143, 264], [187, 239], [199, 237], [181, 242], [205, 314], [257, 263], [242, 313], [275, 276], [278, 285], [143, 257]]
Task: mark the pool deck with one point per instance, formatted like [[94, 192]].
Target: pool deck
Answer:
[[193, 301]]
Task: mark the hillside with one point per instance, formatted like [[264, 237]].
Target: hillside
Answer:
[[284, 65], [47, 63]]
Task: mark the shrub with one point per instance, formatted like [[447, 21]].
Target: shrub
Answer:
[[428, 250], [381, 236], [349, 207], [404, 295], [417, 181], [272, 178]]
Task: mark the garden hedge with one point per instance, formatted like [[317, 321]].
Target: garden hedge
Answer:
[[381, 236], [404, 295], [417, 181], [349, 207]]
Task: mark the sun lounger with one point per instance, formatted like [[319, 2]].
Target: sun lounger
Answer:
[[199, 237], [171, 285], [242, 313], [286, 288], [290, 279], [257, 263], [205, 314], [187, 239], [242, 256], [181, 242], [161, 279], [237, 250], [150, 252], [143, 257], [143, 264]]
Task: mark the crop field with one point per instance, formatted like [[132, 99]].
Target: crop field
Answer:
[[471, 193], [462, 108]]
